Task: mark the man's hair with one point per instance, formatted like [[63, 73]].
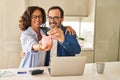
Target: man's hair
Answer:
[[26, 17], [59, 8]]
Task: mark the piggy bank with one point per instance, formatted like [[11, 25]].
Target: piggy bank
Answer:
[[46, 42]]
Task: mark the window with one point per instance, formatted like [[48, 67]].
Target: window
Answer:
[[84, 30], [75, 25], [87, 32]]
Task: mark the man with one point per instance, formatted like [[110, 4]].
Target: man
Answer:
[[67, 45]]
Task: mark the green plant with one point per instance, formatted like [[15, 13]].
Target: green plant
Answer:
[[81, 38]]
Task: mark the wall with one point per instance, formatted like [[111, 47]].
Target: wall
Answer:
[[89, 52], [1, 51], [10, 33]]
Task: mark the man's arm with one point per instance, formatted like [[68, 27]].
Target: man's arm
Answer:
[[71, 45]]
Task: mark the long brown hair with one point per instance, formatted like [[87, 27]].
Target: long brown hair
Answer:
[[26, 17]]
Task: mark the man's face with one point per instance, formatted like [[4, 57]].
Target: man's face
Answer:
[[54, 18]]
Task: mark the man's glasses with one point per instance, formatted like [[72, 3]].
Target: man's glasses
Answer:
[[35, 16], [53, 18]]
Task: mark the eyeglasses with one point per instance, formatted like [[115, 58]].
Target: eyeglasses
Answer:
[[53, 18], [35, 16]]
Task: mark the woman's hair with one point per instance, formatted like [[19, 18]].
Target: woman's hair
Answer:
[[26, 17]]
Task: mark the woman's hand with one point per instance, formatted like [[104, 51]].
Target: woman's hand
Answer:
[[46, 43], [22, 54], [70, 30]]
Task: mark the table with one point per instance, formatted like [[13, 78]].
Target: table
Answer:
[[111, 72], [27, 76]]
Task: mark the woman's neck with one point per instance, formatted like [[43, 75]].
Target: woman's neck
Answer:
[[36, 29]]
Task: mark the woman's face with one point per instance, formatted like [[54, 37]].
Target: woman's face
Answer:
[[36, 19]]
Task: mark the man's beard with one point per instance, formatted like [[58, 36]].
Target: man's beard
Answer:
[[53, 24]]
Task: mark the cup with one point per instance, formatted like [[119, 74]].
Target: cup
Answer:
[[100, 67]]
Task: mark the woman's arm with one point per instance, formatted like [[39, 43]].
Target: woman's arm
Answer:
[[70, 30]]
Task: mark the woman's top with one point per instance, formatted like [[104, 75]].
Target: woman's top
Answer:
[[32, 58]]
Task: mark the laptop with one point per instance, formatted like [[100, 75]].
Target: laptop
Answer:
[[67, 66]]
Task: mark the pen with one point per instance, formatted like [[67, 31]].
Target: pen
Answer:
[[22, 72]]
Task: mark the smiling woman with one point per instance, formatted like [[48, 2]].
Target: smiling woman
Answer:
[[32, 38]]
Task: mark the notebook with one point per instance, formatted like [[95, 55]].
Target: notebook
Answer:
[[67, 66]]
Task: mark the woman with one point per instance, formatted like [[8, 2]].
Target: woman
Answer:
[[32, 18]]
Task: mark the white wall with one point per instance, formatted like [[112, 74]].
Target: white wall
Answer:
[[10, 33]]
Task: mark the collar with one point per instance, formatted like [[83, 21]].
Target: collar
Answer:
[[34, 33]]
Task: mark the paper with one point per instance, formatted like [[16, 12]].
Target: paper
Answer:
[[4, 73]]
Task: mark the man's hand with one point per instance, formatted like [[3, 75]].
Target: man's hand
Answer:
[[56, 34], [46, 43]]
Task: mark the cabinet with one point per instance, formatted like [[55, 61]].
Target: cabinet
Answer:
[[107, 32], [71, 7], [119, 45], [107, 23]]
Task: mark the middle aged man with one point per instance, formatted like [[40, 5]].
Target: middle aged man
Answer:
[[67, 45]]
